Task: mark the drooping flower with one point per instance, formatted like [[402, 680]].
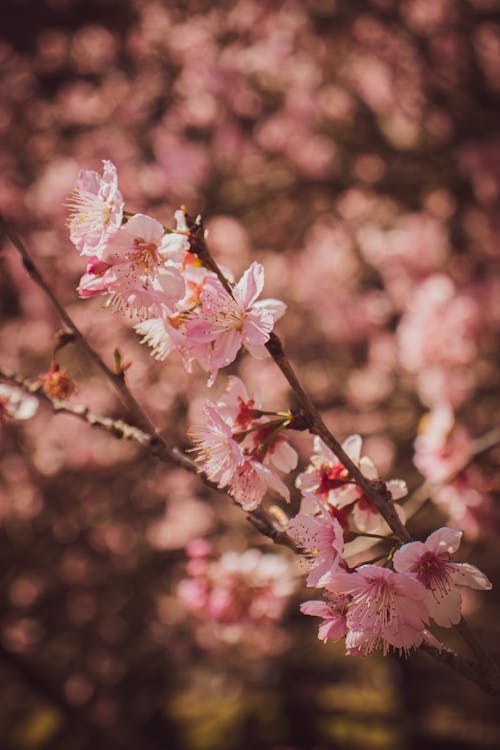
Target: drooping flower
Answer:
[[441, 448], [96, 209], [229, 322], [333, 612], [322, 538], [429, 562], [387, 609]]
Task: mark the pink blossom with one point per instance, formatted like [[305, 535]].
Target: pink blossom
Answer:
[[333, 612], [250, 482], [387, 609], [242, 413], [167, 332], [429, 562], [328, 479], [217, 454], [441, 449], [140, 273], [228, 321], [321, 537], [96, 209]]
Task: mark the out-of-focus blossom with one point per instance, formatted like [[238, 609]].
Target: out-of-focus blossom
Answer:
[[428, 348], [429, 562], [237, 591], [15, 403], [441, 448]]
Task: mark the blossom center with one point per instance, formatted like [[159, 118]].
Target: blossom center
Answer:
[[145, 254], [432, 571]]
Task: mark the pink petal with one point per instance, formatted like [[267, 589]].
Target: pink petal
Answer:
[[144, 227], [250, 285], [444, 540], [464, 574]]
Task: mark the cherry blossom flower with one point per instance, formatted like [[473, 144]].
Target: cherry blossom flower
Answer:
[[228, 321], [387, 609], [250, 482], [217, 454], [242, 413], [96, 209], [328, 479], [167, 333], [333, 612], [137, 267], [429, 562], [15, 404], [321, 537]]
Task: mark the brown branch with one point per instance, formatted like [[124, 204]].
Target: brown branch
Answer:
[[150, 437], [259, 518], [115, 378], [309, 412]]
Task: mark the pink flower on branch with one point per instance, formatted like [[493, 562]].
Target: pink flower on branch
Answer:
[[251, 481], [429, 562], [387, 609], [228, 322], [217, 454], [237, 418], [321, 537], [96, 209], [328, 480], [137, 267], [16, 404]]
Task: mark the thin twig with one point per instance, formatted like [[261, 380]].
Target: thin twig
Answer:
[[115, 378], [259, 518]]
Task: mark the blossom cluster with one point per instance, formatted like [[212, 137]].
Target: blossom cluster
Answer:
[[373, 606], [183, 302], [237, 591], [149, 271], [240, 447]]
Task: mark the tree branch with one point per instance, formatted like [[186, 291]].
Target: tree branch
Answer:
[[313, 419], [259, 518]]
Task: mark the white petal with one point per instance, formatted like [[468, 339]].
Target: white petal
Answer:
[[352, 447], [465, 574]]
